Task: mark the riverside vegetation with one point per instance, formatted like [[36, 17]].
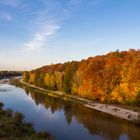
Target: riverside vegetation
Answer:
[[8, 74], [12, 127], [111, 78]]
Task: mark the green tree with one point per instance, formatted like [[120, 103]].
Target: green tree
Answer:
[[26, 76], [47, 80], [58, 80], [68, 76]]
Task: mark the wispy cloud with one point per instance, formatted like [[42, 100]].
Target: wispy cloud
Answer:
[[5, 16], [40, 38], [10, 2], [51, 11], [44, 25]]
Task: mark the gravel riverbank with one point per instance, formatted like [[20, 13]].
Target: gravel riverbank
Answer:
[[127, 114]]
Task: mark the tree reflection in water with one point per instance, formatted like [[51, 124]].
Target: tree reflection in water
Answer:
[[97, 123]]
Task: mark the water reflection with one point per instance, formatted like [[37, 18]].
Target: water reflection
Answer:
[[97, 123], [66, 120]]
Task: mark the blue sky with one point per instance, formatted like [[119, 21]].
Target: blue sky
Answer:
[[34, 33]]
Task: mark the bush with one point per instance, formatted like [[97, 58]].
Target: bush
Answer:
[[1, 105], [9, 112], [18, 117], [45, 134]]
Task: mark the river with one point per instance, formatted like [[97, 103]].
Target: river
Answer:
[[66, 120]]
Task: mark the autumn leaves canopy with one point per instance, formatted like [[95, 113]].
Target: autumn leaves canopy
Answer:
[[111, 78]]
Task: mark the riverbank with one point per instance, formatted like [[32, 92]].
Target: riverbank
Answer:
[[13, 127], [127, 114]]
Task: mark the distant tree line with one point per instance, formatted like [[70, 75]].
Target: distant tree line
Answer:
[[7, 74], [111, 78]]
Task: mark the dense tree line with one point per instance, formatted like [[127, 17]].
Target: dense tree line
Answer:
[[7, 74], [111, 78]]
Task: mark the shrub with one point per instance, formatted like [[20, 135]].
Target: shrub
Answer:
[[9, 112], [18, 117], [1, 105]]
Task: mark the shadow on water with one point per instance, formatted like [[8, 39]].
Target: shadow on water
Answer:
[[97, 123]]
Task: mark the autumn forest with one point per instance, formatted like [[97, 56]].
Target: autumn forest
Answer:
[[110, 78]]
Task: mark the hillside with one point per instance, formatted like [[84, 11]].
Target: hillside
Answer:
[[111, 78]]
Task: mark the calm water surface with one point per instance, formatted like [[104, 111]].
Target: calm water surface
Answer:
[[66, 120]]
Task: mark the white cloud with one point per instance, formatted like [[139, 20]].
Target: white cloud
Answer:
[[55, 12], [40, 38], [5, 16]]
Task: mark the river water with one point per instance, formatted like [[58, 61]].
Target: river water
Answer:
[[66, 120]]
